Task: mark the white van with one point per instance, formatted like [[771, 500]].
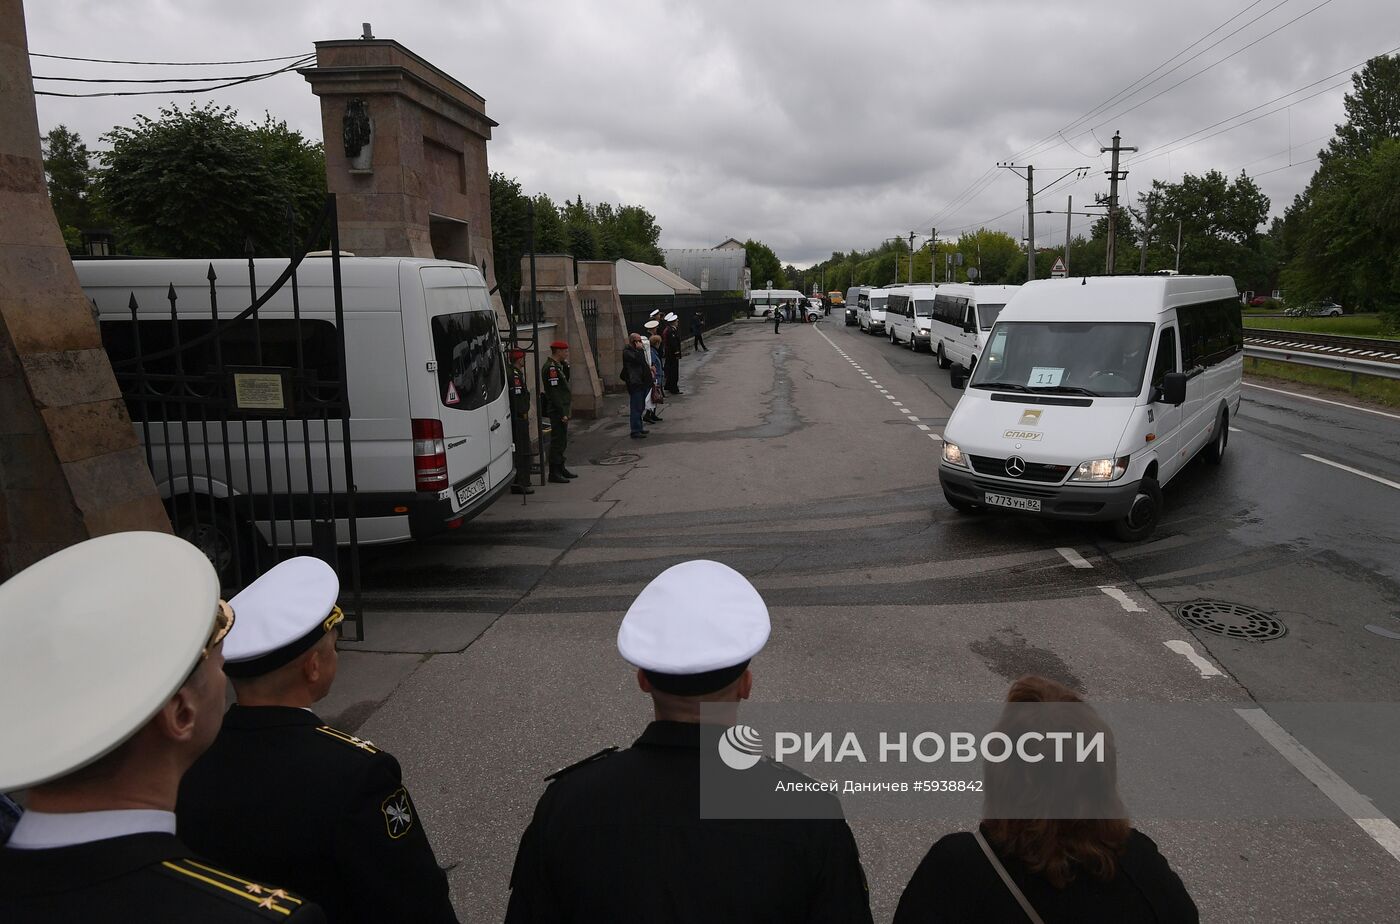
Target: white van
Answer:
[[1092, 394], [870, 310], [963, 315], [425, 374], [763, 302], [909, 314]]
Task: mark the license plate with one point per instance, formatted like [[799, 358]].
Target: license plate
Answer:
[[467, 491], [1014, 503]]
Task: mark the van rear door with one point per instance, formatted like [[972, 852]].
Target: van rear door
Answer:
[[470, 380]]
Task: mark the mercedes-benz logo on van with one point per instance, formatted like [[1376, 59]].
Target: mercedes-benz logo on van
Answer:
[[1015, 466]]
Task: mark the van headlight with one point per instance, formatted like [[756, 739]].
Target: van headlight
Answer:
[[953, 455], [1101, 469]]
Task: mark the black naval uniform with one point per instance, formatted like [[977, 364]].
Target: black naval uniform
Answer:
[[619, 837], [283, 796], [671, 354], [147, 878], [556, 401], [520, 425]]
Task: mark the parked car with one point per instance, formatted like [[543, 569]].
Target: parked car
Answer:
[[1328, 309], [813, 309]]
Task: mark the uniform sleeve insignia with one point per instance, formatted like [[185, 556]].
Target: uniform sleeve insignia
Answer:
[[398, 813], [574, 766], [277, 902], [346, 738]]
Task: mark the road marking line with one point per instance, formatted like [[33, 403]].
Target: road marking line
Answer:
[[1074, 558], [924, 427], [898, 403], [1128, 604], [1236, 430], [1199, 663], [1352, 803], [913, 419], [1294, 394], [935, 437], [1355, 471]]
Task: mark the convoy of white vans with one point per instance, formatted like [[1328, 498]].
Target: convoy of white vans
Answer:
[[1083, 397]]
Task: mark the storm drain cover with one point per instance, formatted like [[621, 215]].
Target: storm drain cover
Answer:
[[1232, 620], [622, 458]]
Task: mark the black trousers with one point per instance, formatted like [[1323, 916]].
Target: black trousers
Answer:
[[520, 432], [700, 343], [558, 442], [673, 373]]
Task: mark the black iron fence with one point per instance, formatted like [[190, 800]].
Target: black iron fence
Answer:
[[715, 310], [245, 421]]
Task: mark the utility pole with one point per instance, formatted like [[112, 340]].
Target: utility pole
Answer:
[[1178, 246], [1069, 211], [932, 253], [1030, 223], [1114, 175], [911, 259]]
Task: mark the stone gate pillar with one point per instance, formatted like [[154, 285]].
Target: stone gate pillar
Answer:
[[597, 281], [559, 301], [70, 464], [405, 154]]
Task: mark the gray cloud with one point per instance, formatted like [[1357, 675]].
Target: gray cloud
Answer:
[[813, 126]]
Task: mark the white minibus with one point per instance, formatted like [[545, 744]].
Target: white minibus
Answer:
[[909, 313], [963, 315], [870, 310], [763, 302], [429, 430], [1092, 394]]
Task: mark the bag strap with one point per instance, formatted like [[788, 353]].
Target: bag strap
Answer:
[[1016, 892]]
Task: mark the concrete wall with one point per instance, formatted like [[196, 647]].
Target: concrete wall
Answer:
[[559, 298], [70, 464], [597, 280]]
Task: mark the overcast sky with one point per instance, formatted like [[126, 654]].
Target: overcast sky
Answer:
[[812, 126]]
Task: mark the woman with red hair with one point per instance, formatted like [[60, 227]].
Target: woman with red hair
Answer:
[[1021, 864]]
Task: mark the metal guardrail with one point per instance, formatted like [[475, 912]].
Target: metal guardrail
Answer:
[[1340, 362], [1298, 338]]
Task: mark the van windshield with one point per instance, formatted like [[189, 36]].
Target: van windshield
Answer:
[[877, 302], [1100, 359], [923, 307], [471, 373], [987, 314]]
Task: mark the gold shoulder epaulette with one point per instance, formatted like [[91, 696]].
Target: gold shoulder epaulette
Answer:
[[275, 903], [347, 738]]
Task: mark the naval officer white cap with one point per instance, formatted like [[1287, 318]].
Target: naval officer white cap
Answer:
[[94, 640], [694, 628], [285, 612], [672, 317], [653, 324]]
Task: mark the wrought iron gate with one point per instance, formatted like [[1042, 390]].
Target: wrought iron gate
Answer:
[[590, 323], [245, 419]]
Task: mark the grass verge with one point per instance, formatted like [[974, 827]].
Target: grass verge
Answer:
[[1351, 325], [1366, 387]]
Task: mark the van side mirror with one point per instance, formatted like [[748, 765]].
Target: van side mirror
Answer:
[[1173, 388], [970, 326]]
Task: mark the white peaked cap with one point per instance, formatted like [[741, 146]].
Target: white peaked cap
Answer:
[[94, 640], [652, 324], [672, 317], [694, 617], [280, 615], [654, 313]]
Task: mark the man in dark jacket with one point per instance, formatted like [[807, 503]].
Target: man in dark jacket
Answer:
[[697, 330], [671, 353], [638, 377], [557, 400], [620, 836], [520, 422], [282, 792]]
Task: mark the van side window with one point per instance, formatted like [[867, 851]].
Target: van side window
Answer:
[[1210, 333], [1166, 355], [468, 354]]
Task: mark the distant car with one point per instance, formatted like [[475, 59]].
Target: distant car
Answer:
[[1328, 309], [1259, 301], [813, 309], [852, 316], [836, 299]]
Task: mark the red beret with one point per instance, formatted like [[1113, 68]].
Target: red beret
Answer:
[[559, 345], [517, 354]]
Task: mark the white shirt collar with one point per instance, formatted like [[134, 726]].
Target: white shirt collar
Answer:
[[45, 830]]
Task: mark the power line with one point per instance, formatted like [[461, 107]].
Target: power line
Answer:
[[35, 54], [170, 91], [1286, 167]]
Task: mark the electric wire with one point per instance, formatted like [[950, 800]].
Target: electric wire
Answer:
[[175, 90], [35, 54]]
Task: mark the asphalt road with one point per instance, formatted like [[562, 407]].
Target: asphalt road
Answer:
[[807, 460]]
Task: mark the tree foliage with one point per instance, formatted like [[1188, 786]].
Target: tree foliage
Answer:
[[582, 230], [68, 173], [199, 183], [764, 265], [1221, 228]]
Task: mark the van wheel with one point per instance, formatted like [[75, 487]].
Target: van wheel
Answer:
[[1144, 515], [960, 505], [228, 544], [1215, 452], [943, 362]]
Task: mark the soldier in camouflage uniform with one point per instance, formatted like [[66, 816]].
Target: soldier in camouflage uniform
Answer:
[[556, 400], [520, 422]]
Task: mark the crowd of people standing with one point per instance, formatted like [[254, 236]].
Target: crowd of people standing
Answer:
[[651, 367]]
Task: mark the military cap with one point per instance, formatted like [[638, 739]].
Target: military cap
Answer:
[[285, 612], [672, 317], [694, 628], [652, 324], [559, 345], [96, 638], [517, 353]]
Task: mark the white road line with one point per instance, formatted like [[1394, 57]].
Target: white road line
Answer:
[[924, 427], [1199, 663], [913, 419], [1294, 394], [1355, 471], [1074, 558], [1352, 803], [1236, 430], [935, 437], [898, 403], [1128, 604]]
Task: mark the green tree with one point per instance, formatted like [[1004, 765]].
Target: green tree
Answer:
[[198, 183], [68, 172], [1372, 111], [764, 265], [1221, 222], [509, 227]]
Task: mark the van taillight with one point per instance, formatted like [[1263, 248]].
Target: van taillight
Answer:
[[429, 455]]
